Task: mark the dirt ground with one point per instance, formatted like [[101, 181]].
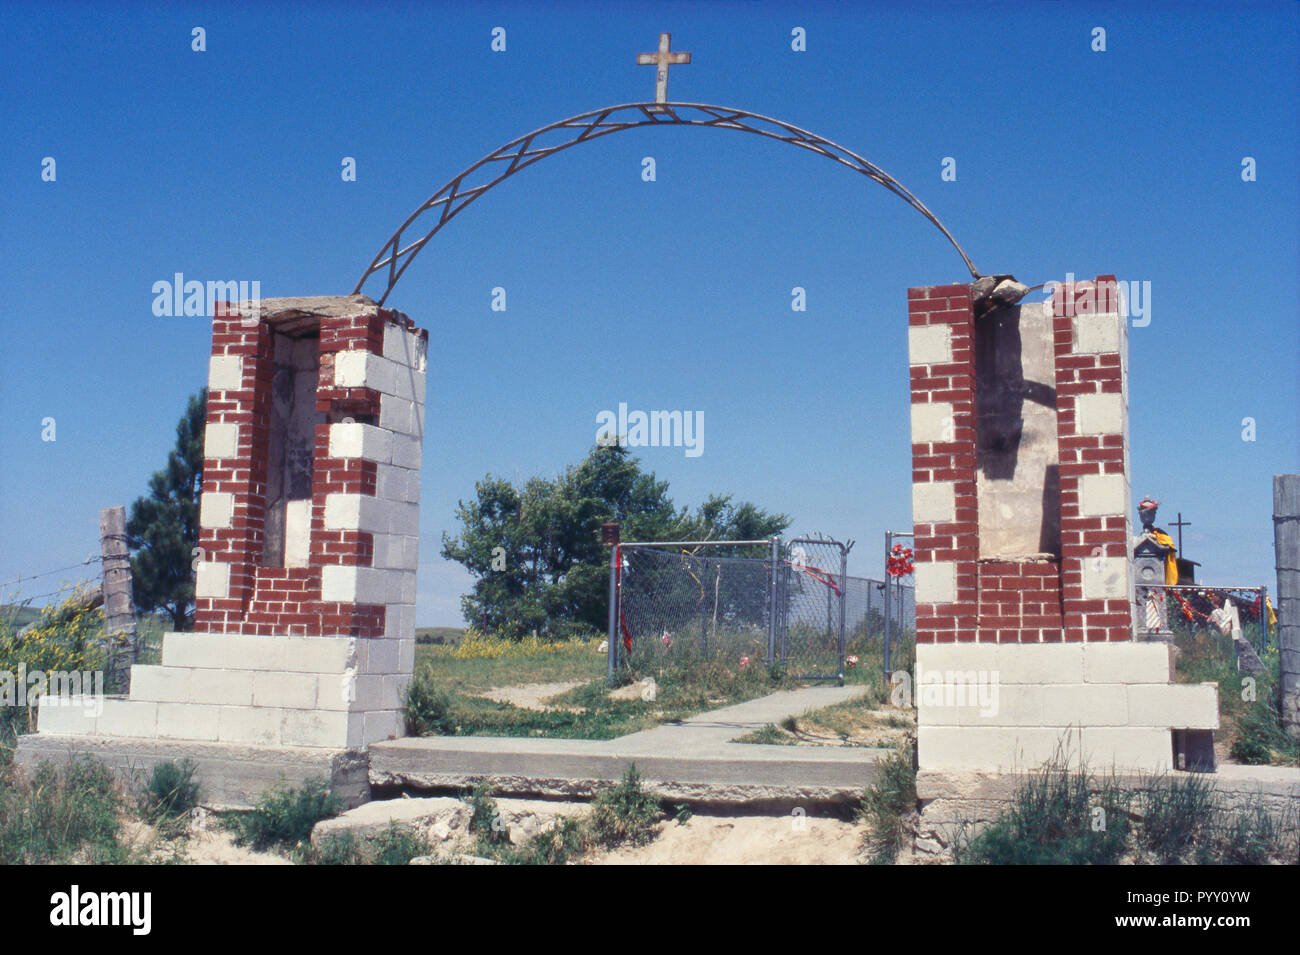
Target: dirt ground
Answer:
[[530, 696], [746, 840]]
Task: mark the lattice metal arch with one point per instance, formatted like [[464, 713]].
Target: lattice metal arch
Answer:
[[394, 258]]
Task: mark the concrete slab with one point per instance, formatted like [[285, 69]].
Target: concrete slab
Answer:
[[694, 760], [231, 776]]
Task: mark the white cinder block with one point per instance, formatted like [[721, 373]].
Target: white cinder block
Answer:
[[290, 690], [250, 724], [1101, 495], [221, 687], [1099, 414], [324, 654], [406, 451], [936, 502], [932, 422], [363, 369], [1128, 661], [297, 532], [137, 718], [378, 655], [315, 728], [220, 440], [994, 747], [188, 721], [336, 692], [1127, 748], [403, 519], [406, 655], [345, 512], [212, 580], [382, 725], [397, 414], [392, 483], [1094, 334], [1184, 706], [361, 441], [929, 344], [1084, 704], [936, 583], [225, 373], [230, 651], [216, 508], [67, 716], [160, 684], [399, 621], [974, 698], [1037, 663], [1105, 577]]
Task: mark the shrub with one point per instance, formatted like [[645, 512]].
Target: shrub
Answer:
[[887, 803], [1055, 818], [284, 818], [55, 815], [1176, 813], [171, 791], [426, 708], [396, 845], [624, 813], [484, 817]]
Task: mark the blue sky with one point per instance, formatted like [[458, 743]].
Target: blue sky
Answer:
[[672, 294]]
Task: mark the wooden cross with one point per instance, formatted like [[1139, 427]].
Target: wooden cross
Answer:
[[1180, 524], [663, 59]]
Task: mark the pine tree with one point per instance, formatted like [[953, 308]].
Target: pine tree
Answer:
[[163, 529]]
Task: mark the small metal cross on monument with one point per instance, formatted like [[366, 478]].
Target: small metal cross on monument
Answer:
[[663, 59], [1180, 524]]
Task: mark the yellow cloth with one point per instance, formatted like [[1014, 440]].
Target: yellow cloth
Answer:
[[1171, 558], [1272, 614]]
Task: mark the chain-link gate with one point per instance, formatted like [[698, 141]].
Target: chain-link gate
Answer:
[[736, 603]]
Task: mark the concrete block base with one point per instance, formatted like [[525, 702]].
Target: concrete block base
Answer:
[[953, 803], [1009, 707], [230, 776]]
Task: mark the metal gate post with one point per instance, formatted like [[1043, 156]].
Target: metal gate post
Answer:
[[889, 543], [772, 598], [844, 587], [613, 612]]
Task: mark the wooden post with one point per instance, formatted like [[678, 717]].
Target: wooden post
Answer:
[[119, 608], [1286, 542]]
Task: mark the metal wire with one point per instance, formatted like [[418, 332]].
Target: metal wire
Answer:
[[522, 152]]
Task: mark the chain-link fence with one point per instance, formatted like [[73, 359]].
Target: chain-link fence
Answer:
[[787, 606]]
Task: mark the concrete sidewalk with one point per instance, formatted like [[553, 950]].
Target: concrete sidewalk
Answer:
[[694, 759]]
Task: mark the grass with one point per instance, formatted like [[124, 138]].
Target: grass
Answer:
[[440, 636], [1251, 727], [444, 699], [283, 818], [1066, 816], [863, 721], [59, 815], [170, 793], [624, 814], [396, 845], [889, 804]]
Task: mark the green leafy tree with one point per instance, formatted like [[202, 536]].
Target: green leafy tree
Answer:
[[535, 551], [163, 526]]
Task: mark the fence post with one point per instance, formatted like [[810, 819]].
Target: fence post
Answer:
[[1286, 543], [844, 596], [119, 610], [772, 599], [889, 543], [613, 613]]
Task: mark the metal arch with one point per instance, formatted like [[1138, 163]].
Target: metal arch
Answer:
[[519, 154]]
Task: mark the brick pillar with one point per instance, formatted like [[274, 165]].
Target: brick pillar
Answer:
[[1091, 355], [944, 510], [232, 510]]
